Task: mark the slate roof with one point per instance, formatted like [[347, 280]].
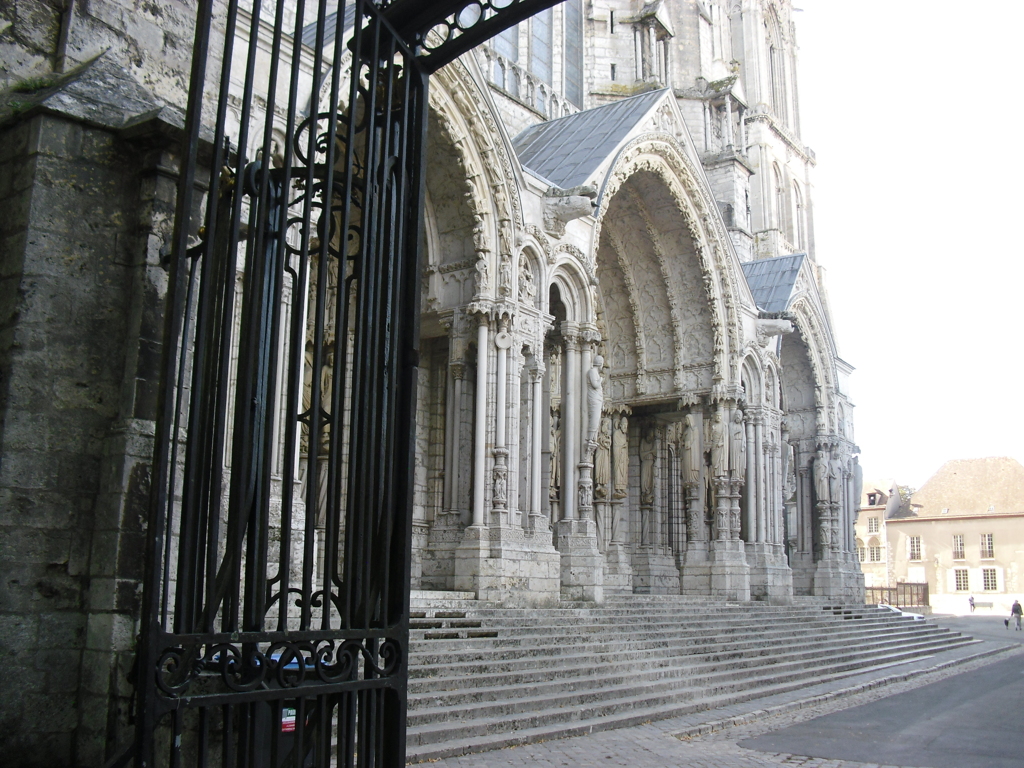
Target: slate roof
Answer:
[[568, 150], [330, 26], [772, 280]]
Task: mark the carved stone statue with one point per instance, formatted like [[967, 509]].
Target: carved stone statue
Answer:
[[482, 280], [595, 398], [719, 451], [691, 446], [821, 475], [603, 460], [505, 276], [835, 478], [620, 456], [858, 483], [737, 446], [527, 290], [648, 454]]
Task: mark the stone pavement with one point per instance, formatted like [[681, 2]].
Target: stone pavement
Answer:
[[709, 739]]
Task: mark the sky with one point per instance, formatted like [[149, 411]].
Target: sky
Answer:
[[913, 110]]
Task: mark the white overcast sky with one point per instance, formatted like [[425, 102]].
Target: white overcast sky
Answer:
[[913, 108]]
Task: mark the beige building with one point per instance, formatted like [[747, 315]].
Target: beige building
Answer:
[[963, 534]]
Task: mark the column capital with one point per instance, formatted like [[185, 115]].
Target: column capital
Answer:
[[458, 370], [482, 309]]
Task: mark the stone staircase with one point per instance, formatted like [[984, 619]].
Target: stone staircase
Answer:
[[484, 677]]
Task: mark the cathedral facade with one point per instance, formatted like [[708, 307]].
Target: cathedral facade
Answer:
[[628, 379]]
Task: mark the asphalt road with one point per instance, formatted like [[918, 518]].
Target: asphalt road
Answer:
[[971, 720]]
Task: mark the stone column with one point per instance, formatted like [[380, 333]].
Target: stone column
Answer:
[[743, 135], [750, 510], [585, 488], [707, 126], [727, 132], [759, 485], [454, 450], [570, 419], [502, 342], [537, 444], [480, 423]]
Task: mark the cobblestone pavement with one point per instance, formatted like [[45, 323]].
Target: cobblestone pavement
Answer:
[[657, 744]]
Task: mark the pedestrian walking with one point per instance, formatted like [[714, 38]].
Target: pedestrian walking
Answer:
[[971, 601], [1015, 613]]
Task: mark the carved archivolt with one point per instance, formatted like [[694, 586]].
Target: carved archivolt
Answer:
[[460, 86], [661, 156], [821, 355]]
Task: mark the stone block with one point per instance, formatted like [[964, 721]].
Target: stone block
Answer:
[[53, 713], [14, 141], [109, 632], [59, 138], [64, 629], [18, 631], [34, 545], [96, 671], [60, 668]]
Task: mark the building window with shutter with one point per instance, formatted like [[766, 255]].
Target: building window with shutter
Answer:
[[987, 545], [989, 581], [915, 548], [961, 579]]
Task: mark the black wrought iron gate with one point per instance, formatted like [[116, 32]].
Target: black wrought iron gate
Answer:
[[275, 620]]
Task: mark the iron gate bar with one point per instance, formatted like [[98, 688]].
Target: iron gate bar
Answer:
[[415, 19], [339, 199]]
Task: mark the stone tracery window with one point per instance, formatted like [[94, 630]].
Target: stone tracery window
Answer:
[[574, 52]]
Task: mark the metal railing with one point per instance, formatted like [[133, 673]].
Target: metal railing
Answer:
[[903, 595]]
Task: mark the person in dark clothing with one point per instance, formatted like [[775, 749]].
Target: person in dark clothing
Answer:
[[1015, 613]]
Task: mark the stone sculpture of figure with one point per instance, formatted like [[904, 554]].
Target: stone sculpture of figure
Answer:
[[858, 482], [603, 460], [595, 398], [648, 453], [620, 456], [719, 450], [691, 444], [835, 478], [556, 454], [737, 446], [500, 487], [526, 288], [505, 276], [482, 282], [821, 475]]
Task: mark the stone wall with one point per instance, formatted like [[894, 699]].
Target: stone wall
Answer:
[[88, 210]]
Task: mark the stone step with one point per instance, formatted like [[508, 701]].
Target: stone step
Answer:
[[443, 723], [497, 738], [512, 646], [452, 675], [547, 671], [692, 671]]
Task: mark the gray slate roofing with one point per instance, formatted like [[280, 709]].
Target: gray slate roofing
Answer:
[[772, 280], [567, 150], [330, 26]]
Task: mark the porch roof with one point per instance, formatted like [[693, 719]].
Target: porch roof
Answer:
[[772, 280], [568, 150]]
